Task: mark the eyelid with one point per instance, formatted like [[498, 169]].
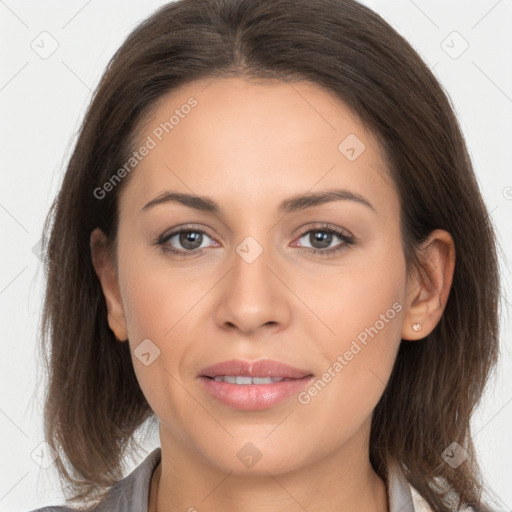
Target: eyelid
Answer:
[[185, 227], [326, 227]]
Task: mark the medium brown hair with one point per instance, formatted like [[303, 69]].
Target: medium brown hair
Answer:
[[94, 404]]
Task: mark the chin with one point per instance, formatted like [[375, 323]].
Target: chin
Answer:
[[258, 458]]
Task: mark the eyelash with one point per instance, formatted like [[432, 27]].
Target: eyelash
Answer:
[[347, 241]]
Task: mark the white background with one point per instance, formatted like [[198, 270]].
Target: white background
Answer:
[[42, 102]]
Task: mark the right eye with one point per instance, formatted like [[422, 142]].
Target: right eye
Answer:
[[190, 239]]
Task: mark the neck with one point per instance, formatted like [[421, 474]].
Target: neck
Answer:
[[324, 485]]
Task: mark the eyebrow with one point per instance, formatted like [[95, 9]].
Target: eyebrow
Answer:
[[293, 204]]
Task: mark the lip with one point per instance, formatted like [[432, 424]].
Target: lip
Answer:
[[260, 368], [254, 396]]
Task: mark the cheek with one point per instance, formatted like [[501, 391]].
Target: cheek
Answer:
[[365, 323], [159, 307], [162, 304], [156, 297], [362, 299]]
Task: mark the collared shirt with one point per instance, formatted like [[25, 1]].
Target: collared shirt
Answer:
[[131, 494]]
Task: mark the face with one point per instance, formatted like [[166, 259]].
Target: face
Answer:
[[320, 285]]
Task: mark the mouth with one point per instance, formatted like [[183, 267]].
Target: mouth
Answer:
[[253, 385], [246, 379], [242, 371]]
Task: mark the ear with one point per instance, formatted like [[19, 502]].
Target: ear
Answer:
[[107, 274], [428, 287]]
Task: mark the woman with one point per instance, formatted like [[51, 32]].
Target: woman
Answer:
[[270, 239]]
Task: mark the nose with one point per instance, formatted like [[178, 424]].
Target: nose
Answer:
[[254, 297]]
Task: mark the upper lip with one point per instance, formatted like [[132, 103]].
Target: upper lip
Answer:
[[260, 368]]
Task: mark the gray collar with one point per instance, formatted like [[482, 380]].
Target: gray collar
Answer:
[[399, 490]]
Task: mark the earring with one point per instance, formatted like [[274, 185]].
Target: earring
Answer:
[[416, 327]]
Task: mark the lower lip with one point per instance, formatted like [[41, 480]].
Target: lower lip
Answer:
[[254, 396]]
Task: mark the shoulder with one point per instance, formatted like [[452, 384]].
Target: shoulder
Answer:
[[420, 505], [54, 508], [130, 493], [403, 496]]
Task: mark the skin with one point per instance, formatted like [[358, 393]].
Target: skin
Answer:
[[250, 145]]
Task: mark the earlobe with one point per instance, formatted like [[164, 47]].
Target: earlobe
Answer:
[[428, 287], [104, 268]]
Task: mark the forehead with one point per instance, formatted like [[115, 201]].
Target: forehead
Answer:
[[255, 138]]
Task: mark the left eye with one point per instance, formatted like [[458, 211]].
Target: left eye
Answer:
[[322, 238]]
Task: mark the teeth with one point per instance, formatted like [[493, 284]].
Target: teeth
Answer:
[[265, 380], [242, 379]]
